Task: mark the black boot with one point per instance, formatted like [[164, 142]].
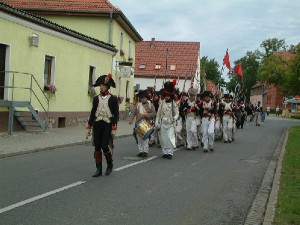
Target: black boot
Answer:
[[98, 160], [109, 161], [98, 172]]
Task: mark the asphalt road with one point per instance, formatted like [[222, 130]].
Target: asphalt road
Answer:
[[56, 187]]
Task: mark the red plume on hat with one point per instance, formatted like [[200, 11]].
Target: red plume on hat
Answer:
[[105, 79], [174, 82]]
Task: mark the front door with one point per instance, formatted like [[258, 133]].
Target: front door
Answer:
[[2, 68]]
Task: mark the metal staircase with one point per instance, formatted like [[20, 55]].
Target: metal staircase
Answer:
[[23, 93]]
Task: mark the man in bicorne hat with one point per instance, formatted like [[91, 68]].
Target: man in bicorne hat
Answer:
[[103, 119], [166, 117], [143, 110], [208, 109]]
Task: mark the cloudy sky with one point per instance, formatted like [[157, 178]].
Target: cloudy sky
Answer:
[[238, 25]]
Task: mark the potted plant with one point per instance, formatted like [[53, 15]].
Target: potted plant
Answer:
[[50, 88], [122, 53], [120, 99], [92, 92]]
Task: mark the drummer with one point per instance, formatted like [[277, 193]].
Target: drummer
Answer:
[[143, 110]]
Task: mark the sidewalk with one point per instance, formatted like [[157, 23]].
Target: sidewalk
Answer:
[[22, 142]]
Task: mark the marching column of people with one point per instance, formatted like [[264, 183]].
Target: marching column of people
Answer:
[[168, 118]]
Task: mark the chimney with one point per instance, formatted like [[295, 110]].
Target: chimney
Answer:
[[152, 45]]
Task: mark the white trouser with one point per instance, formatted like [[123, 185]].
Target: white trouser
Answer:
[[208, 128], [218, 129], [227, 127], [191, 132], [168, 151], [143, 145], [257, 118], [154, 135]]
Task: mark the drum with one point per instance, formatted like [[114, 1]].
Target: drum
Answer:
[[143, 129]]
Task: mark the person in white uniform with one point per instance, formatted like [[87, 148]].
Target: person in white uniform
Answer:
[[228, 121], [166, 117], [191, 110], [208, 110]]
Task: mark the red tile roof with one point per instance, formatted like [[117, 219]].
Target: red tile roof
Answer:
[[65, 5], [258, 84], [76, 7], [285, 55], [184, 55], [211, 86]]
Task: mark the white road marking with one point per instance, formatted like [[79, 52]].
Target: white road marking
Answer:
[[40, 196], [135, 163], [16, 205]]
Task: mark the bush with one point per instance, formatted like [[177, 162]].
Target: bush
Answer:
[[296, 117]]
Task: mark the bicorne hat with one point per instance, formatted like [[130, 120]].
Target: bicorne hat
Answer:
[[106, 80]]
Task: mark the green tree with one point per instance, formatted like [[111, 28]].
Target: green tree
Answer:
[[210, 70], [272, 45], [291, 84], [250, 65], [282, 69]]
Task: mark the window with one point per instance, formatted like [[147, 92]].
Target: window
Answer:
[[142, 66], [120, 85], [129, 49], [157, 66], [49, 71], [121, 41], [91, 80], [127, 88], [173, 67]]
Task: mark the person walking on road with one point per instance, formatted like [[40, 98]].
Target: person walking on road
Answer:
[[103, 119], [277, 110], [143, 110], [165, 121], [257, 115]]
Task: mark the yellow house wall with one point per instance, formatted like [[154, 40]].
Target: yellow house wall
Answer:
[[116, 34], [98, 27], [72, 61]]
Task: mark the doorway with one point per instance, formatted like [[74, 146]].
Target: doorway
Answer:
[[2, 69]]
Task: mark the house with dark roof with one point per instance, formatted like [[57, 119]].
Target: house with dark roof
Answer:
[[269, 94], [98, 19], [160, 61], [46, 71]]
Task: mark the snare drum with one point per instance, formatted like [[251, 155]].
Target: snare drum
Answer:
[[143, 129]]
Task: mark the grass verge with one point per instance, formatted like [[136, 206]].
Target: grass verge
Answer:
[[288, 204]]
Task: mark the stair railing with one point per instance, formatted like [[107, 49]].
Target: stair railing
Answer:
[[34, 93]]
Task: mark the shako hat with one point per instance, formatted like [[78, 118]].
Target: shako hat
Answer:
[[226, 96], [106, 80], [192, 91], [169, 88], [207, 94]]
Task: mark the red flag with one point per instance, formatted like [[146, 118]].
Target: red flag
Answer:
[[238, 70], [226, 60]]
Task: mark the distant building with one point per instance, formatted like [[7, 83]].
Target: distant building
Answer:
[[256, 93], [160, 61]]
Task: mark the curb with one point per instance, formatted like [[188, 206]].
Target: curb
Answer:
[[270, 211], [261, 200], [53, 147]]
